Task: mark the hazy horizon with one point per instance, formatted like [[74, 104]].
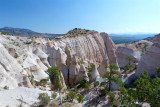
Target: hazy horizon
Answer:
[[58, 17]]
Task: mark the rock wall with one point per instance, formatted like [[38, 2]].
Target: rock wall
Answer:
[[91, 48], [150, 60], [22, 56], [136, 49]]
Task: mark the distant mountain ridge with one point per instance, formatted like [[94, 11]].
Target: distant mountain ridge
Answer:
[[26, 32], [127, 38], [117, 38]]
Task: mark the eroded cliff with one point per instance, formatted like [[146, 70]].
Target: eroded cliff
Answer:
[[150, 60], [73, 52]]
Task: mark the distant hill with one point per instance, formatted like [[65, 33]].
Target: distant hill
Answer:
[[26, 32], [117, 38], [126, 38]]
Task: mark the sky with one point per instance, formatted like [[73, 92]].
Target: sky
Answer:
[[60, 16]]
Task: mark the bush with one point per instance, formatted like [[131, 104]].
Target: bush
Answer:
[[44, 98], [96, 84], [28, 42], [55, 77], [6, 87], [41, 83], [16, 55], [80, 98], [90, 68], [71, 95], [102, 92], [4, 33], [31, 78], [147, 90], [111, 96], [84, 83], [128, 68], [54, 95]]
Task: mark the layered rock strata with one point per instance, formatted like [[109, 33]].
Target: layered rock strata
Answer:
[[150, 60], [72, 53]]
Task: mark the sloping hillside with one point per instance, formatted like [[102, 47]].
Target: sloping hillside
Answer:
[[26, 32]]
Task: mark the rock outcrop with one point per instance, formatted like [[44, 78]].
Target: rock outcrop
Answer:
[[22, 56], [18, 63], [149, 60], [95, 74], [136, 49]]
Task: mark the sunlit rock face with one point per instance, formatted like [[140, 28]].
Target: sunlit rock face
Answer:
[[122, 53], [18, 62], [150, 60], [72, 53], [91, 47], [136, 50]]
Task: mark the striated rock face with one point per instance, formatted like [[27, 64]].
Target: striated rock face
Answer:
[[72, 53], [10, 70], [17, 63], [122, 53], [136, 49], [149, 60], [91, 48]]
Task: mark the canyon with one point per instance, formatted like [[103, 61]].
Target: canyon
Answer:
[[23, 57]]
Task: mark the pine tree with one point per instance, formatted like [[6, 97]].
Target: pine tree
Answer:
[[55, 77], [112, 75]]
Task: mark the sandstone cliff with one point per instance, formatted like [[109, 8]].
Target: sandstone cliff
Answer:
[[136, 49], [73, 52], [150, 60]]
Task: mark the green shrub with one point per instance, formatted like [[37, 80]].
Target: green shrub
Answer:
[[55, 77], [80, 98], [71, 95], [102, 92], [90, 68], [111, 96], [28, 42], [128, 68], [81, 62], [44, 98], [54, 95], [6, 87], [41, 83], [16, 55], [4, 33], [147, 90], [31, 78], [84, 83], [96, 84]]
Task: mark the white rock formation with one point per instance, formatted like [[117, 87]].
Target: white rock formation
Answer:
[[13, 98], [22, 56], [150, 60], [102, 68], [136, 50], [83, 73], [17, 63], [95, 74]]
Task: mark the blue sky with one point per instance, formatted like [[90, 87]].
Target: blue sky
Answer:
[[59, 16]]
